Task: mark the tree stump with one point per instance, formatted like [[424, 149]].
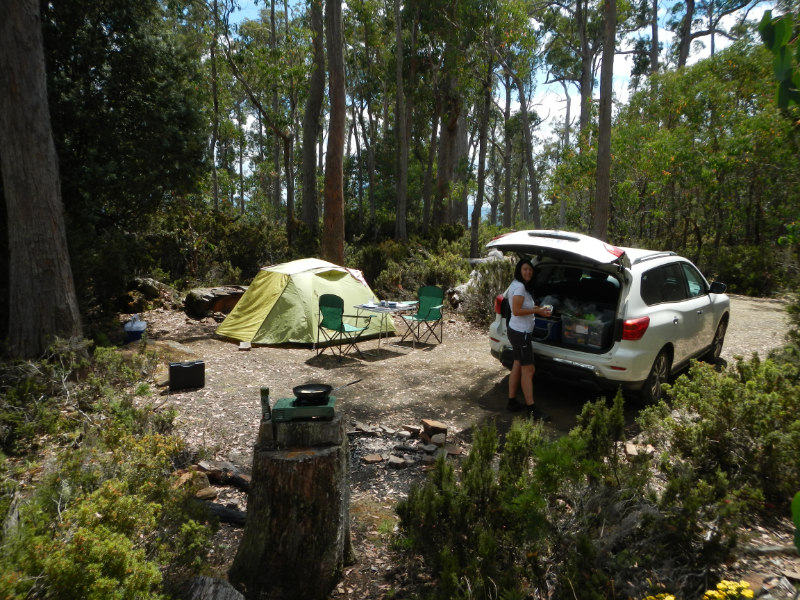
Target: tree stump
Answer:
[[297, 537]]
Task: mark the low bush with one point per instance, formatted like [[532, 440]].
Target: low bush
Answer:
[[103, 519], [581, 518], [486, 281], [738, 430]]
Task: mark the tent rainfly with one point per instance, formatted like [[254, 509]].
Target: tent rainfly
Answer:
[[282, 304]]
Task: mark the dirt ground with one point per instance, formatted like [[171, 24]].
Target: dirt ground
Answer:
[[456, 382]]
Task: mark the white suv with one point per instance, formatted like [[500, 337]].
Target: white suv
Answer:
[[622, 317]]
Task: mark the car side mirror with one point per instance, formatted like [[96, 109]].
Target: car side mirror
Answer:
[[717, 287]]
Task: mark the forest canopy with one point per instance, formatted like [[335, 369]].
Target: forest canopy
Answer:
[[192, 145]]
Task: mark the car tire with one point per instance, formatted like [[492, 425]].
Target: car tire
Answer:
[[715, 349], [659, 374]]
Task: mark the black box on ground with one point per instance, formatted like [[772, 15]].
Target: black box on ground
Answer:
[[187, 375]]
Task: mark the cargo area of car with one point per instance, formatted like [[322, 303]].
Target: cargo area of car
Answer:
[[584, 306]]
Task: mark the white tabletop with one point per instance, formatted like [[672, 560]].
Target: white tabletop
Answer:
[[398, 306]]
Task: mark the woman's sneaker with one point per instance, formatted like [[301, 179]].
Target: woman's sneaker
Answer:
[[537, 414], [514, 406]]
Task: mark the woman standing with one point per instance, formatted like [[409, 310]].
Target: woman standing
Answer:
[[520, 329]]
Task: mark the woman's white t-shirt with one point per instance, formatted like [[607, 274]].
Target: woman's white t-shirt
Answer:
[[522, 323]]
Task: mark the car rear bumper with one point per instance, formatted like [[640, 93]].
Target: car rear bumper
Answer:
[[570, 372]]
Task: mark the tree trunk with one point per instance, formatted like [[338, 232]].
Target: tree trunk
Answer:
[[603, 192], [360, 166], [654, 38], [297, 535], [685, 34], [461, 171], [447, 147], [474, 251], [507, 212], [288, 165], [495, 200], [562, 203], [428, 185], [586, 82], [333, 223], [311, 119], [400, 233], [526, 130], [42, 299], [275, 188], [215, 115]]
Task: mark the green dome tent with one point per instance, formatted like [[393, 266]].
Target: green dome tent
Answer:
[[281, 305]]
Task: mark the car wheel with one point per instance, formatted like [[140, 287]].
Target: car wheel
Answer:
[[716, 344], [659, 374]]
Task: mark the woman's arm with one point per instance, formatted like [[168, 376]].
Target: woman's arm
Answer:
[[518, 311]]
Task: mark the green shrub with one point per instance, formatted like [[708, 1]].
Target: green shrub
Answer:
[[741, 426], [470, 527], [102, 520], [574, 512], [487, 281], [402, 277]]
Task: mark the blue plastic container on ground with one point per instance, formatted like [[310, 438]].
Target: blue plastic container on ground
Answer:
[[134, 329]]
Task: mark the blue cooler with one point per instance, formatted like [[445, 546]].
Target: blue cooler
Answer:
[[546, 329], [134, 329]]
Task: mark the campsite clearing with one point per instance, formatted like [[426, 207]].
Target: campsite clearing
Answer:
[[457, 382]]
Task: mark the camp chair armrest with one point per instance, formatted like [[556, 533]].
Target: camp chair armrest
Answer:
[[357, 317], [430, 310]]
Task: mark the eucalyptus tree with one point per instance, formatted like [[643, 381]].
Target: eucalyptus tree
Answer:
[[261, 70], [453, 31], [332, 247], [519, 53], [603, 193], [127, 101], [574, 30], [367, 48], [692, 20], [703, 164], [401, 130], [42, 301], [487, 90], [311, 117]]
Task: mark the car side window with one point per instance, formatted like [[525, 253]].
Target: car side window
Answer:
[[694, 281], [663, 284], [651, 286]]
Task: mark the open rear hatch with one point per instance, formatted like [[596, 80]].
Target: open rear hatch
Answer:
[[579, 279], [560, 245]]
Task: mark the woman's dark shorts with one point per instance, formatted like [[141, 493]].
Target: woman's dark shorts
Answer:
[[521, 344]]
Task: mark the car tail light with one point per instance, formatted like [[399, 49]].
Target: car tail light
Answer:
[[498, 300], [633, 329]]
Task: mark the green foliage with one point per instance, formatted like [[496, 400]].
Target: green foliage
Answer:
[[488, 280], [738, 431], [103, 519], [479, 535], [125, 97], [591, 519], [31, 395], [406, 268], [750, 270], [699, 155], [780, 37]]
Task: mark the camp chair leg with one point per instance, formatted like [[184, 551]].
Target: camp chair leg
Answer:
[[432, 331], [410, 332]]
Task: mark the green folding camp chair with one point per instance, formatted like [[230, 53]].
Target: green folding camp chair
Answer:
[[423, 324], [335, 332]]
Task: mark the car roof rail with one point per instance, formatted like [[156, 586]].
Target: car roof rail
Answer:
[[653, 256]]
